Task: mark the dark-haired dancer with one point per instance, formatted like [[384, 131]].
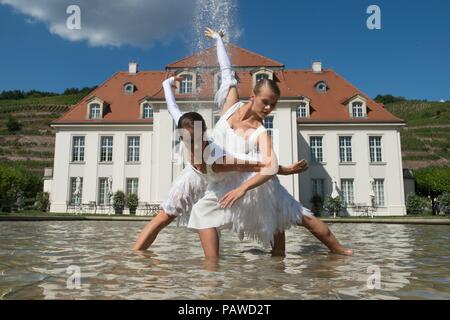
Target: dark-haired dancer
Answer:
[[245, 117]]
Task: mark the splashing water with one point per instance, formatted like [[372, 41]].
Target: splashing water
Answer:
[[218, 15]]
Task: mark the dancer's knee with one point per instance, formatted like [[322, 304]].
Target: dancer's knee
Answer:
[[163, 219]]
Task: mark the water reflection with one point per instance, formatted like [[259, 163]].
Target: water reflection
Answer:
[[34, 257]]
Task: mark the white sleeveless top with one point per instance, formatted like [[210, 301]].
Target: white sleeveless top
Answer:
[[234, 144]]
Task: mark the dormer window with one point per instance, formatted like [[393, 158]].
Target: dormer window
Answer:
[[95, 108], [357, 110], [147, 111], [321, 86], [187, 84], [129, 88], [303, 110], [94, 111], [357, 107], [261, 75]]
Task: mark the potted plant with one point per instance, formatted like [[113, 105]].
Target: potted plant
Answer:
[[119, 202], [333, 205], [132, 203], [317, 205]]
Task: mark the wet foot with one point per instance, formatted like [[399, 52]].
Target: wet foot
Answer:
[[343, 251]]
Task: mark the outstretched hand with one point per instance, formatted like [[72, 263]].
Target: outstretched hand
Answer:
[[297, 167], [210, 33], [175, 80], [231, 197]]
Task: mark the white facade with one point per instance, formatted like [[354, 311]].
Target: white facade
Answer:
[[157, 166]]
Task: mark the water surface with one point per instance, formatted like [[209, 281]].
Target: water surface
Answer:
[[412, 260]]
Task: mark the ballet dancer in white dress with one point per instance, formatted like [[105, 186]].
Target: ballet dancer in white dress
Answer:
[[263, 100], [189, 187]]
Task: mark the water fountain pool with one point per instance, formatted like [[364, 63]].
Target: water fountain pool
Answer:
[[413, 261]]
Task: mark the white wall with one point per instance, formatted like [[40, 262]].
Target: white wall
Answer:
[[91, 169], [360, 169], [156, 170]]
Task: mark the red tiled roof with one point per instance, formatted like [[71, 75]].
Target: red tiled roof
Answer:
[[329, 106], [326, 107], [240, 58]]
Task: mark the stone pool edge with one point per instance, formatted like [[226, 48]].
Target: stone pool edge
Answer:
[[442, 221]]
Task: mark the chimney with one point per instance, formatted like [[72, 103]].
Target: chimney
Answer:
[[132, 67], [317, 67]]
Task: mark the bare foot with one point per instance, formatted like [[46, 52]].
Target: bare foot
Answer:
[[343, 251]]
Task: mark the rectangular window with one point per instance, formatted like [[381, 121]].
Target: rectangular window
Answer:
[[133, 149], [379, 192], [268, 124], [375, 149], [77, 149], [106, 149], [347, 192], [316, 149], [94, 111], [186, 84], [132, 185], [103, 191], [301, 111], [76, 190], [345, 149], [318, 187], [147, 111], [357, 110]]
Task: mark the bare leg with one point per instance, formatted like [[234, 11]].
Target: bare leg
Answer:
[[151, 230], [321, 231], [210, 242], [279, 245]]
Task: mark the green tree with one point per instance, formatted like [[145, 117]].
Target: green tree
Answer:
[[444, 202], [333, 205], [388, 98], [132, 201], [417, 205], [432, 182], [317, 204], [119, 202], [17, 183]]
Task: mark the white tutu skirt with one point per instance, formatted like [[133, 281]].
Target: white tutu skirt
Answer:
[[186, 190], [261, 213]]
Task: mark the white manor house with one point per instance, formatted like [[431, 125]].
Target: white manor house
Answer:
[[121, 136]]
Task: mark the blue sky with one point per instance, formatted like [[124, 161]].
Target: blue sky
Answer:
[[409, 56]]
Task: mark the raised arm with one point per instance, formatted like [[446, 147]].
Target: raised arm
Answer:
[[227, 95], [172, 106], [269, 169]]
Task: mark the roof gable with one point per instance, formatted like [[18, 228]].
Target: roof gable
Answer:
[[239, 57]]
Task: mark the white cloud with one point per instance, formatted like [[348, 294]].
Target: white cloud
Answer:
[[112, 22]]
